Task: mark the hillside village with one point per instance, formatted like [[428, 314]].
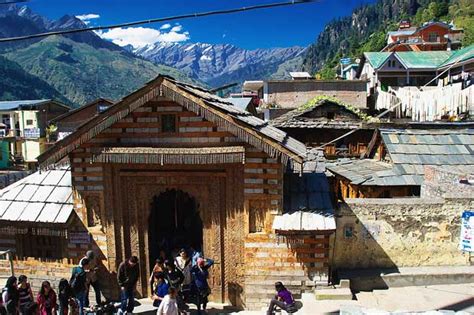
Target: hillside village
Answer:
[[340, 186]]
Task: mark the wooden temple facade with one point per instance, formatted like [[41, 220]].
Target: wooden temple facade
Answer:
[[223, 166]]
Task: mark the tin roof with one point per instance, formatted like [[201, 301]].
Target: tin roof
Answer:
[[409, 152], [460, 55], [44, 197], [422, 59], [377, 59], [240, 102]]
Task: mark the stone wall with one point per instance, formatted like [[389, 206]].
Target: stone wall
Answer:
[[388, 233], [292, 94]]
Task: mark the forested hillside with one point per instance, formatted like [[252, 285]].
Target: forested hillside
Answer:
[[366, 29]]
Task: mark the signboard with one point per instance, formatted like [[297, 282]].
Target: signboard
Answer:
[[466, 243], [346, 61], [79, 238], [31, 133]]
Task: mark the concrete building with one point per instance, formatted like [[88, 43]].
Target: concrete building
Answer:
[[291, 94], [25, 126]]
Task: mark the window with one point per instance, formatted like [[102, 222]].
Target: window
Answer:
[[29, 122], [330, 115], [168, 123], [348, 231], [256, 216], [432, 37]]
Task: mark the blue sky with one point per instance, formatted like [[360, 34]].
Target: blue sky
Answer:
[[278, 27]]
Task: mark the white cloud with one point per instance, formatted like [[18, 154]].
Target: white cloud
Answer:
[[142, 36], [165, 26], [177, 28], [86, 18]]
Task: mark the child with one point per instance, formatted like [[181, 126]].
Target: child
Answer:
[[160, 290], [168, 305], [10, 296], [46, 299]]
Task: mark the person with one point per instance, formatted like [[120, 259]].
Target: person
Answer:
[[160, 290], [10, 296], [78, 283], [65, 296], [200, 273], [25, 295], [158, 267], [127, 277], [46, 299], [173, 275], [168, 305], [32, 309], [183, 263], [283, 299], [92, 278], [194, 256]]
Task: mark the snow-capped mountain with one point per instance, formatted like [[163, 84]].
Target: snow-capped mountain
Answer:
[[218, 64]]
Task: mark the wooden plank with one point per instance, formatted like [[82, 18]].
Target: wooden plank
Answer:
[[262, 176], [313, 259], [261, 197], [316, 240], [166, 145], [87, 183], [85, 174], [263, 165], [309, 250], [154, 173], [136, 125], [158, 114], [204, 134], [263, 186], [196, 124], [256, 155]]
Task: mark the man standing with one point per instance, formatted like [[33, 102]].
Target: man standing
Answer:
[[92, 277], [127, 276], [78, 283]]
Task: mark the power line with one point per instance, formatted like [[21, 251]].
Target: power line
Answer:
[[164, 19], [387, 110]]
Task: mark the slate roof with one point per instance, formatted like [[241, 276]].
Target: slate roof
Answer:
[[296, 119], [409, 152], [44, 197], [15, 105], [234, 115]]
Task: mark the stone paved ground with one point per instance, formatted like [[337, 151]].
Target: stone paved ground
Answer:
[[406, 300]]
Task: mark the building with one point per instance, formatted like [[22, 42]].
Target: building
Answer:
[[350, 71], [213, 171], [399, 159], [249, 104], [432, 36], [25, 126], [71, 120], [411, 68], [321, 121], [291, 94]]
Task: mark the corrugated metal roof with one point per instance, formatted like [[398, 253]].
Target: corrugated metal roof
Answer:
[[377, 59], [39, 197], [304, 221], [410, 150], [423, 59], [14, 105], [460, 55], [240, 102]]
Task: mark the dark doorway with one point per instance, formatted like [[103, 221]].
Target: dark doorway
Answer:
[[174, 223]]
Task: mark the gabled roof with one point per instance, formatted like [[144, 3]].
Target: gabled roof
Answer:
[[44, 197], [459, 56], [422, 59], [377, 59], [78, 109], [297, 118], [409, 152], [200, 101]]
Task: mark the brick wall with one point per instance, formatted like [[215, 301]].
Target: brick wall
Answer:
[[292, 94], [400, 232]]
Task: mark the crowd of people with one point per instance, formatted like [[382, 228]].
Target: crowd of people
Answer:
[[173, 282]]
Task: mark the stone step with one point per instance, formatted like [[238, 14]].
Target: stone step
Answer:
[[333, 294]]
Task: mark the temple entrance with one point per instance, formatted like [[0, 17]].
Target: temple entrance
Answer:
[[174, 223]]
